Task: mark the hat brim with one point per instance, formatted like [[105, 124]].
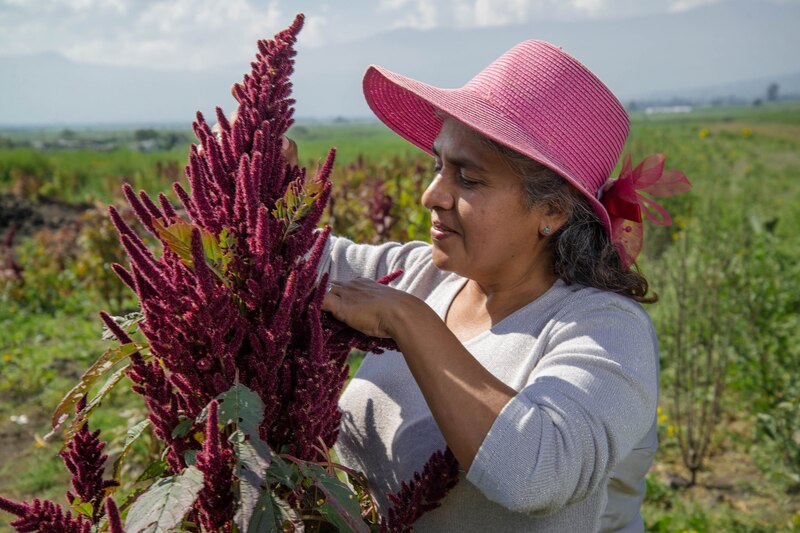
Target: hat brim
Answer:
[[409, 108]]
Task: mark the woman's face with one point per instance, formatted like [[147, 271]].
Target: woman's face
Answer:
[[482, 228]]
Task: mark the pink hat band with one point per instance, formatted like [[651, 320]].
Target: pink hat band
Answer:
[[534, 99]]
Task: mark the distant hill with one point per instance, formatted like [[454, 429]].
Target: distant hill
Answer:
[[743, 90], [735, 47]]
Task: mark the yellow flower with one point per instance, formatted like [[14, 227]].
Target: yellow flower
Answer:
[[39, 441], [670, 430], [747, 132], [6, 357], [703, 133]]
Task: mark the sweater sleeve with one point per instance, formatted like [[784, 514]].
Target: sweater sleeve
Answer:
[[589, 400], [344, 260]]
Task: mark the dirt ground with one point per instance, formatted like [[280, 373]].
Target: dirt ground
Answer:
[[30, 216]]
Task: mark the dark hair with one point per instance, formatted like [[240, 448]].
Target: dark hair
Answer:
[[582, 250]]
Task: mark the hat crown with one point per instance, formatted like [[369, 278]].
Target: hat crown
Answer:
[[566, 110]]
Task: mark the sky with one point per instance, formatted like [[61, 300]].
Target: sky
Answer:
[[200, 34], [75, 61]]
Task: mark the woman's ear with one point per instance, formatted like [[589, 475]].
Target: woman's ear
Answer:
[[552, 221]]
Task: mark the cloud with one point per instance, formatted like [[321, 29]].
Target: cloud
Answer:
[[419, 14], [393, 4], [687, 5], [590, 7], [487, 13], [80, 6], [315, 31], [428, 14], [186, 34]]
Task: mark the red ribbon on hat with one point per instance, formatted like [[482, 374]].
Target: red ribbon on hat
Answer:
[[624, 201]]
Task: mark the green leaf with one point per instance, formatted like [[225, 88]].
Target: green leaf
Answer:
[[190, 456], [253, 457], [266, 515], [132, 436], [130, 500], [282, 472], [341, 507], [243, 407], [82, 507], [83, 416], [100, 367], [165, 503], [182, 429], [178, 237], [297, 202], [271, 513], [153, 470]]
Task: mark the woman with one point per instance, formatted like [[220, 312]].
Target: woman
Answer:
[[522, 343]]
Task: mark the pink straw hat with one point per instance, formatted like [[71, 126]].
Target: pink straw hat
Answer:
[[534, 99]]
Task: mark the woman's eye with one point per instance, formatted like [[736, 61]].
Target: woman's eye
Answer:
[[466, 182]]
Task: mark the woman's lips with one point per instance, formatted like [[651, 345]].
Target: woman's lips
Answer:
[[440, 231]]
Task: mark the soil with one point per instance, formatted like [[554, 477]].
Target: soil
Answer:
[[30, 216]]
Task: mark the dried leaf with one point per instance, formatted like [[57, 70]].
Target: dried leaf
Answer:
[[103, 364], [83, 416]]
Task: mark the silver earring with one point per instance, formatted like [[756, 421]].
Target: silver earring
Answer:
[[546, 230]]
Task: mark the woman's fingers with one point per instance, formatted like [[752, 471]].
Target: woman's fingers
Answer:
[[362, 304]]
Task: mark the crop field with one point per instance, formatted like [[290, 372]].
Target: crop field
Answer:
[[727, 273]]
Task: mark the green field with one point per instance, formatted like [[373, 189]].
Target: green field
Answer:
[[727, 273]]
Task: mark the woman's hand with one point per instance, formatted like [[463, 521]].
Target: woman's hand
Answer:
[[368, 306]]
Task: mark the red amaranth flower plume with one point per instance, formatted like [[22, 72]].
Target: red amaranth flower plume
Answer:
[[421, 494], [214, 461], [234, 297], [114, 521], [85, 460], [44, 517], [379, 207]]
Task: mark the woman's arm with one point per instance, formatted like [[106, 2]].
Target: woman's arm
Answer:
[[463, 396], [343, 260], [590, 399]]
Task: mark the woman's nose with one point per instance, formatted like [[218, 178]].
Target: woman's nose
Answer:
[[437, 195]]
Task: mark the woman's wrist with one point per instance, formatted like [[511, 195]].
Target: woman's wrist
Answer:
[[406, 316]]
